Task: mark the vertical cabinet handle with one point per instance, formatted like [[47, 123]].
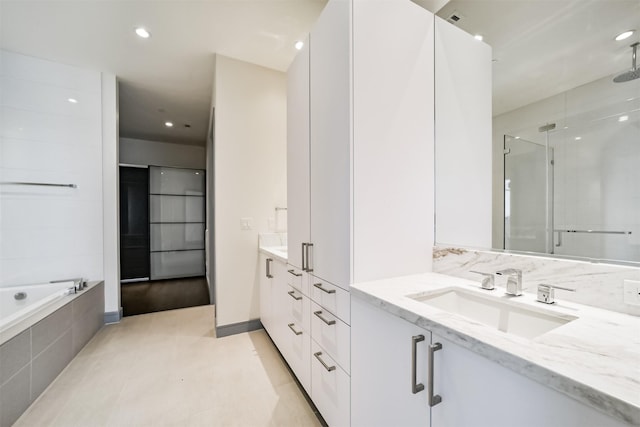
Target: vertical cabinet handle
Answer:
[[309, 267], [415, 387], [304, 254], [268, 267], [433, 399]]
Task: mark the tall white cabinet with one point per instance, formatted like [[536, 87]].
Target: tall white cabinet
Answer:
[[360, 172]]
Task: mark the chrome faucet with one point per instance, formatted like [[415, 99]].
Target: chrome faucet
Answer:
[[488, 280], [546, 294], [79, 283], [514, 281]]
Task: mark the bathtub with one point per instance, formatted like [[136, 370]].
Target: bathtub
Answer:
[[18, 303], [42, 330]]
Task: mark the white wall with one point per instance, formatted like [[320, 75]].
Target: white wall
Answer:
[[250, 178], [50, 233], [143, 152]]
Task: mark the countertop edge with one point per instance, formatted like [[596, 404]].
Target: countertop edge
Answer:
[[265, 250], [597, 399]]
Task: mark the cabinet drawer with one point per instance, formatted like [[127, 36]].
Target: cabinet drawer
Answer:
[[298, 279], [296, 308], [332, 298], [296, 350], [332, 334], [330, 388]]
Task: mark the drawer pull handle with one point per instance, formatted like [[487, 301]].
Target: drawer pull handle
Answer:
[[294, 273], [319, 286], [269, 275], [327, 367], [292, 294], [415, 386], [319, 316], [434, 399], [290, 325]]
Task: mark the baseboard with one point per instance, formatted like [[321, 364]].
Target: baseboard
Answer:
[[238, 328], [112, 316]]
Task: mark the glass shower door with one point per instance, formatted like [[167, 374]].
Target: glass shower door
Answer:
[[525, 195]]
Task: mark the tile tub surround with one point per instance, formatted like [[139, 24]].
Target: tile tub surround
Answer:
[[31, 360], [593, 359], [596, 284]]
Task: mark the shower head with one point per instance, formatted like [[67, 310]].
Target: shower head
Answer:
[[632, 74]]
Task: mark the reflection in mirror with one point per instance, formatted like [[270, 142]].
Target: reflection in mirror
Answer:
[[566, 137]]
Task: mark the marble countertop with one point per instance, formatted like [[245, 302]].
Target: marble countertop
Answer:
[[277, 252], [594, 359]]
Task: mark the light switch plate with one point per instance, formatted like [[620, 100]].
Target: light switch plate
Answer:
[[246, 224], [632, 292]]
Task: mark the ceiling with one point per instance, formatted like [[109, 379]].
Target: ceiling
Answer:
[[169, 76], [542, 47]]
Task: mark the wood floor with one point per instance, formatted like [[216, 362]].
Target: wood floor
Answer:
[[161, 295]]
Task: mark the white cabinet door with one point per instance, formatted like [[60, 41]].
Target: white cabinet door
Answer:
[[477, 392], [381, 369], [298, 155], [266, 292], [331, 144], [330, 387], [393, 129], [279, 304], [463, 137]]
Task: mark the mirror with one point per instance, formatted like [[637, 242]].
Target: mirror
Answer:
[[566, 137]]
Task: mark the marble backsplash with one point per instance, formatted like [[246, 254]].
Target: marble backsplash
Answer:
[[596, 284]]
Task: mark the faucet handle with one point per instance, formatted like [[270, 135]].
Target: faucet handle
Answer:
[[488, 280], [546, 294]]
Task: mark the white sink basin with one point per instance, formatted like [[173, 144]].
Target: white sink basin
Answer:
[[495, 312]]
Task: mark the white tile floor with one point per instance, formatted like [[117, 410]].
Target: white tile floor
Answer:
[[168, 369]]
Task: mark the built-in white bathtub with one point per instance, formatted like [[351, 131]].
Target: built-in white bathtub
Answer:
[[18, 303], [40, 334]]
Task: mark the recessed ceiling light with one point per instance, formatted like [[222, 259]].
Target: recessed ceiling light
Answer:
[[623, 118], [478, 37], [578, 138], [624, 35], [72, 100], [197, 173], [143, 33], [168, 124], [299, 44], [517, 137]]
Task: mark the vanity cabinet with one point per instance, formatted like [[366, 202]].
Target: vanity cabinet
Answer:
[[272, 272], [381, 369], [475, 391]]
